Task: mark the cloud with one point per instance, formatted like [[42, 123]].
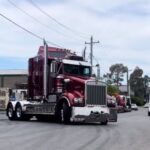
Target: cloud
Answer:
[[121, 26]]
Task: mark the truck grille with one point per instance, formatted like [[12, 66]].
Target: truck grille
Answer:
[[95, 93]]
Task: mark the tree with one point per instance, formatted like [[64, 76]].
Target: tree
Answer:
[[137, 73], [112, 89], [146, 80], [107, 78], [137, 83], [117, 71]]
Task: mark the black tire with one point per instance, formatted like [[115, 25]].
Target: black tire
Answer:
[[20, 114], [148, 113], [63, 113], [66, 113], [58, 118], [104, 122], [10, 112]]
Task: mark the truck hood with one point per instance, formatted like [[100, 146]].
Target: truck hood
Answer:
[[77, 84], [78, 79]]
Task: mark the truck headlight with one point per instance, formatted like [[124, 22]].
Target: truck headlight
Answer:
[[77, 100]]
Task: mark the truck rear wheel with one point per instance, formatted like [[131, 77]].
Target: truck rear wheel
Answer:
[[19, 113], [10, 112]]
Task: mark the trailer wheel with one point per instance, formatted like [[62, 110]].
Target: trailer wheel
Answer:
[[65, 113], [148, 113], [10, 112]]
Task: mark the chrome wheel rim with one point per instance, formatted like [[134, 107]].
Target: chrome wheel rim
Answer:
[[18, 112], [10, 112]]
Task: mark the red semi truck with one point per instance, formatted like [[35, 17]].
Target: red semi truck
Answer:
[[60, 84]]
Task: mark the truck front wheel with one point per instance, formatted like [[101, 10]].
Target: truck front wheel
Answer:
[[65, 113]]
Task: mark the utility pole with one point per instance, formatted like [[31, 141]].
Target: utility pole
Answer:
[[128, 82], [91, 48]]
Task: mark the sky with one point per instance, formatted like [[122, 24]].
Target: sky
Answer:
[[121, 26]]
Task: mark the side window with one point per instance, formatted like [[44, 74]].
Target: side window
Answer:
[[86, 71], [74, 69]]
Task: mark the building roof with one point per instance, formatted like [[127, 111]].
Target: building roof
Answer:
[[14, 72]]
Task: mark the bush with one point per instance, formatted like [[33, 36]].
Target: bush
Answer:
[[137, 100]]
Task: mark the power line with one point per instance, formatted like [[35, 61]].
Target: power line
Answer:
[[33, 34], [55, 20], [35, 19]]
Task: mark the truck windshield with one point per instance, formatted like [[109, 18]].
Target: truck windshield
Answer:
[[77, 70]]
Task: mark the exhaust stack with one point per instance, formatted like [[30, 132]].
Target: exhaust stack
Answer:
[[45, 78]]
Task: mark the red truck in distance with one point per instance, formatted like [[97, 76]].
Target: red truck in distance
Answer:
[[60, 84]]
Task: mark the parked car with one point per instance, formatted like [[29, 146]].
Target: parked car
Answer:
[[146, 105], [149, 110], [134, 107]]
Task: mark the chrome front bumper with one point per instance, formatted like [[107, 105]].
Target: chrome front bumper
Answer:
[[91, 114]]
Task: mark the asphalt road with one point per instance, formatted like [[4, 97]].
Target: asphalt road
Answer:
[[131, 132]]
